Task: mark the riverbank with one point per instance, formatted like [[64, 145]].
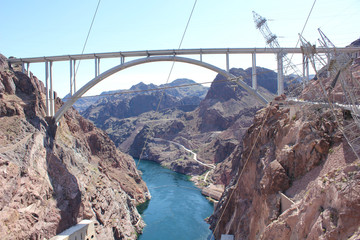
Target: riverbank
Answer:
[[177, 208]]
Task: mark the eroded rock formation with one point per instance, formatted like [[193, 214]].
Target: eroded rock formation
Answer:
[[301, 153], [52, 177]]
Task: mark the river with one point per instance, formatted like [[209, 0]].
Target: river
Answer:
[[177, 209]]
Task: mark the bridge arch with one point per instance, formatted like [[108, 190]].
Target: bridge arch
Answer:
[[133, 63]]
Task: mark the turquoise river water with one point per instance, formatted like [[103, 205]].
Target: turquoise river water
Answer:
[[176, 210]]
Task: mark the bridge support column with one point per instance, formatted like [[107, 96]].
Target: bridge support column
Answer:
[[254, 79], [47, 88], [200, 55], [306, 68], [122, 59], [280, 69], [23, 67], [27, 69], [72, 77], [227, 62], [97, 66], [50, 104]]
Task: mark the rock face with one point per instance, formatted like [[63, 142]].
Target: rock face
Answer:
[[301, 153], [140, 98], [53, 177], [187, 92], [212, 130]]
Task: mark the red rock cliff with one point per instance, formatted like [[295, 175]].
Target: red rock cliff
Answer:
[[51, 178], [301, 153]]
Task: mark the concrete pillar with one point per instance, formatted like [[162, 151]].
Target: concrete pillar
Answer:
[[27, 69], [71, 78], [52, 103], [97, 66], [47, 88], [74, 75], [280, 69], [227, 62], [254, 79], [23, 67], [200, 55], [305, 68]]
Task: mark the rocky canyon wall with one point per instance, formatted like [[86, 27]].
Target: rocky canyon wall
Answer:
[[299, 152], [52, 177]]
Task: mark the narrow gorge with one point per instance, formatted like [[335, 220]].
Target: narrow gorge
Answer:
[[54, 176]]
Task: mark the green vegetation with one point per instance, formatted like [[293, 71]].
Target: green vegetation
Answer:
[[142, 206]]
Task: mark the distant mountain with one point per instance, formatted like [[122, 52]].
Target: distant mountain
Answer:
[[186, 89], [144, 98], [212, 129]]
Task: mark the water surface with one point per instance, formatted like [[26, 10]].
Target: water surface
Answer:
[[177, 209]]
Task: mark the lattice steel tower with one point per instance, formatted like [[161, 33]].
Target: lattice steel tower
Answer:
[[272, 41]]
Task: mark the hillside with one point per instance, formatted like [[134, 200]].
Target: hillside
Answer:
[[294, 152], [212, 129], [184, 90], [52, 176]]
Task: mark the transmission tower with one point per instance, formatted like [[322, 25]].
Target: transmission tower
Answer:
[[272, 41], [339, 68]]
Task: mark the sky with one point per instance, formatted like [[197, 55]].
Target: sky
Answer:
[[48, 28]]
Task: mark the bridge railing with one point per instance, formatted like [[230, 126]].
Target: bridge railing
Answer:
[[48, 60]]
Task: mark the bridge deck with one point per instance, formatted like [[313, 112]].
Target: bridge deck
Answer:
[[167, 52]]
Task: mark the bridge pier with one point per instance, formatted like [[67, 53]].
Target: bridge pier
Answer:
[[23, 68], [254, 79], [305, 64], [227, 62], [280, 69], [72, 76], [97, 66], [122, 59], [50, 104]]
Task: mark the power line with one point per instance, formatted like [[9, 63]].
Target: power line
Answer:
[[121, 92], [242, 170], [88, 34], [168, 78], [302, 31], [259, 24]]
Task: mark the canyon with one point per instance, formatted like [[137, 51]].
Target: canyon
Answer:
[[52, 176]]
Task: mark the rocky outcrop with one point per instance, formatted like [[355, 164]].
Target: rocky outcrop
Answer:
[[301, 153], [187, 93], [182, 93], [212, 130], [52, 176]]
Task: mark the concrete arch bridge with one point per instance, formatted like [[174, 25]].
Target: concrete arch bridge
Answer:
[[149, 56]]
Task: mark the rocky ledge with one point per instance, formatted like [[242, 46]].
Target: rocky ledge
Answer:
[[52, 177], [300, 153]]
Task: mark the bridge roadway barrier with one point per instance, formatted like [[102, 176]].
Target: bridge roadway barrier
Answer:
[[84, 230]]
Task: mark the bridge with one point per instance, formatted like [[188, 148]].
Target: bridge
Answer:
[[148, 56]]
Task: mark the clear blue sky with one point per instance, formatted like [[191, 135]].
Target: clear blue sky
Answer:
[[43, 28]]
